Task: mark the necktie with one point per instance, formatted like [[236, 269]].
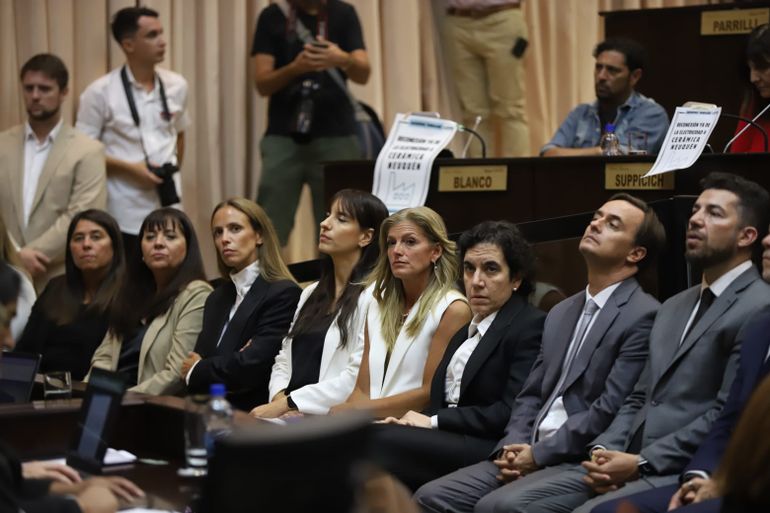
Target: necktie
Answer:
[[589, 310], [706, 299]]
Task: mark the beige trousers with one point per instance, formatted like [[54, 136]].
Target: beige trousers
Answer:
[[489, 79]]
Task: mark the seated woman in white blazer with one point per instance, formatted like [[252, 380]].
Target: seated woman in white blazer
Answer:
[[416, 311], [319, 360], [158, 312]]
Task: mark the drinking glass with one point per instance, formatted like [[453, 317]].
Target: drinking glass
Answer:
[[195, 436], [57, 385], [637, 143]]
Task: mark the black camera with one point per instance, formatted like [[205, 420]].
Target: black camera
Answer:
[[166, 190], [303, 116]]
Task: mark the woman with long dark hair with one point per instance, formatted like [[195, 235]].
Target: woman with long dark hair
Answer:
[[319, 360], [248, 314], [758, 96], [69, 319], [158, 312]]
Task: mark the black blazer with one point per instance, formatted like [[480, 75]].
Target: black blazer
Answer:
[[263, 317], [494, 374]]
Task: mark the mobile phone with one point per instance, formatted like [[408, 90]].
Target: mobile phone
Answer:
[[519, 47], [319, 44]]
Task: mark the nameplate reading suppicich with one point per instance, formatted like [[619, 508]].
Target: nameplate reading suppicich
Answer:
[[732, 21], [473, 178], [628, 177]]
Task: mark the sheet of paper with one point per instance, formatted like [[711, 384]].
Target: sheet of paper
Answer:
[[687, 135], [402, 171]]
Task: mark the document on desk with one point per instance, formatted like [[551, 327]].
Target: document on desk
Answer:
[[402, 171], [686, 138]]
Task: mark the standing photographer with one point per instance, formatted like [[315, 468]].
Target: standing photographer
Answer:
[[298, 44], [138, 112]]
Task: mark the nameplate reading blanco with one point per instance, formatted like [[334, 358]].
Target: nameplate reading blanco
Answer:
[[472, 178], [733, 21], [629, 177]]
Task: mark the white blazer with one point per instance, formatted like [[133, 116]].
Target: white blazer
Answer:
[[407, 361], [339, 365]]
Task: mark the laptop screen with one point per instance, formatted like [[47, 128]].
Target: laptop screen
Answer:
[[98, 413], [17, 376]]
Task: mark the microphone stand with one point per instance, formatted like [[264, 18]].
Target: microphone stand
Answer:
[[749, 123]]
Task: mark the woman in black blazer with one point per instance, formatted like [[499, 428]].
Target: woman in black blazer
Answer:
[[69, 319], [483, 369], [246, 316]]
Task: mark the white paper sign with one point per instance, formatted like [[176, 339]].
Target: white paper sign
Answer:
[[402, 171], [687, 135]]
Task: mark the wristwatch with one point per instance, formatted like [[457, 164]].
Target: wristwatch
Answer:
[[290, 402], [645, 469]]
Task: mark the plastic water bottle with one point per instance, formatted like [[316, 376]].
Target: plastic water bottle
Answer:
[[218, 417], [610, 144]]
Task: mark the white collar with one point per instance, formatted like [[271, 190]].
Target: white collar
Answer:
[[724, 281], [28, 133], [245, 278], [603, 296], [481, 325], [137, 85]]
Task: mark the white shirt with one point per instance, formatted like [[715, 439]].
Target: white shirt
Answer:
[[104, 114], [243, 280], [35, 156], [456, 367], [557, 414], [719, 286]]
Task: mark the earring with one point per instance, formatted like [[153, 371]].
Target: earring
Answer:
[[435, 267]]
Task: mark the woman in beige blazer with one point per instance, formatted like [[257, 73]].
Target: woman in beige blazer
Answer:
[[159, 311]]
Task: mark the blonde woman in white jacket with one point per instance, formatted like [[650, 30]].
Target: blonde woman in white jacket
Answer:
[[319, 359]]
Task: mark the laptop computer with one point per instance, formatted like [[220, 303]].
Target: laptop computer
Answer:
[[17, 376], [98, 414]]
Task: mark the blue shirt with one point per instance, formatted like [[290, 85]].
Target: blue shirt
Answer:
[[582, 128]]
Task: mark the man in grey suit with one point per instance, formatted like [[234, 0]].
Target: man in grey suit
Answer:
[[694, 346], [593, 349], [49, 171]]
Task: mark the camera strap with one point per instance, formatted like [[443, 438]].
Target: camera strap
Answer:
[[306, 36], [166, 115]]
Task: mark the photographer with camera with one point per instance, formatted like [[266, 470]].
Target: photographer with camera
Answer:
[[138, 112], [299, 47]]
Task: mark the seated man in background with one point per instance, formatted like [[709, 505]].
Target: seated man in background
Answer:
[[619, 66], [694, 347], [593, 349], [60, 490]]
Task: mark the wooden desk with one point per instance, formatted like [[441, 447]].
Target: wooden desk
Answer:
[[150, 427], [542, 188]]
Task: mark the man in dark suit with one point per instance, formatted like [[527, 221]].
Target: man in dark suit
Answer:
[[697, 491], [694, 346], [483, 367], [593, 349]]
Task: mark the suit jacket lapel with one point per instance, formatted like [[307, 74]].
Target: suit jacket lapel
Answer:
[[438, 385], [490, 340], [221, 310], [715, 311], [561, 341], [251, 302], [15, 172], [403, 343], [58, 150], [156, 325]]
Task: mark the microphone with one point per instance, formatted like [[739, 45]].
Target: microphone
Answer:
[[749, 123]]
